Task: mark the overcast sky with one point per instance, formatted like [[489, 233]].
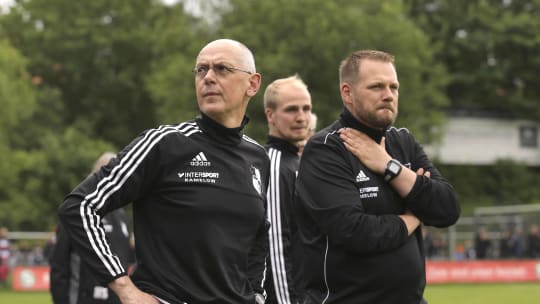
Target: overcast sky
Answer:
[[6, 3]]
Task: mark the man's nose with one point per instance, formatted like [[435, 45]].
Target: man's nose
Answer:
[[388, 94], [303, 116], [210, 74]]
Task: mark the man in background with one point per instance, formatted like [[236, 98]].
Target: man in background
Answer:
[[71, 279], [5, 254], [287, 106]]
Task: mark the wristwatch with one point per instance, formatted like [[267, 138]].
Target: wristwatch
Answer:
[[393, 169]]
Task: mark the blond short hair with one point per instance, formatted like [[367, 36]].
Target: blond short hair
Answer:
[[272, 90]]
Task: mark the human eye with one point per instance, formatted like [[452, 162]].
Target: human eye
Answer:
[[376, 86], [291, 109], [222, 69], [201, 70]]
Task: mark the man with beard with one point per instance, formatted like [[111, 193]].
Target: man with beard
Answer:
[[363, 190]]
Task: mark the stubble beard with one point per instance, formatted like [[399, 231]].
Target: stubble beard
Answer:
[[380, 121]]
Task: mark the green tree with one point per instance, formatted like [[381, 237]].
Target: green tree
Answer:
[[45, 175], [40, 161], [310, 37], [97, 54], [493, 185], [170, 82], [491, 49], [17, 103], [17, 99], [85, 69]]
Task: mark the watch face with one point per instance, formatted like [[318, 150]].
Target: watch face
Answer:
[[393, 167]]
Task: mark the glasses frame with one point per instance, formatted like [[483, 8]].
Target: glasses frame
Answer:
[[219, 69]]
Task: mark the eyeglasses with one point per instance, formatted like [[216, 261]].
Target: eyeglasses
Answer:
[[220, 70]]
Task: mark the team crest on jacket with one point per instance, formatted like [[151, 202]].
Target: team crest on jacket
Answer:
[[256, 176]]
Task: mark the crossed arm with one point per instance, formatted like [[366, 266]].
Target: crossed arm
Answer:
[[375, 157]]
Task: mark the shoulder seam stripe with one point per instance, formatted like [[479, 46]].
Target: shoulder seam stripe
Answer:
[[328, 134], [249, 139]]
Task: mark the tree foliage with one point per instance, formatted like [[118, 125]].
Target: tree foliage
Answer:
[[41, 160], [17, 99], [97, 53], [494, 185], [44, 176], [311, 37], [491, 49], [84, 69], [170, 81]]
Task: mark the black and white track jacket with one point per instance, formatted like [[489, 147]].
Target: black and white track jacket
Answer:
[[71, 280], [199, 194], [357, 249], [282, 269]]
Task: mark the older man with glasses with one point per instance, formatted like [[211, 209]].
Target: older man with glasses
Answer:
[[199, 197]]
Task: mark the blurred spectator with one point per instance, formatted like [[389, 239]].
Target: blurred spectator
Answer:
[[470, 252], [428, 242], [434, 243], [71, 277], [36, 257], [439, 245], [482, 244], [5, 252], [460, 252], [506, 244], [519, 241], [49, 245], [21, 253], [533, 242], [511, 243]]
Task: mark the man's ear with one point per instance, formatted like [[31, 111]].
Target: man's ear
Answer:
[[346, 93], [269, 117], [254, 84]]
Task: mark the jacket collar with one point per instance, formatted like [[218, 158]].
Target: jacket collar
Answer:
[[348, 120], [281, 144], [220, 133]]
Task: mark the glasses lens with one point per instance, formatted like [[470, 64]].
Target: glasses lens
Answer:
[[221, 69], [201, 71]]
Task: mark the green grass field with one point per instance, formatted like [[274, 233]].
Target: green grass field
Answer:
[[12, 297], [523, 293]]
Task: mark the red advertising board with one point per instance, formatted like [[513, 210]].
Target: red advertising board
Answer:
[[482, 271], [35, 278]]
